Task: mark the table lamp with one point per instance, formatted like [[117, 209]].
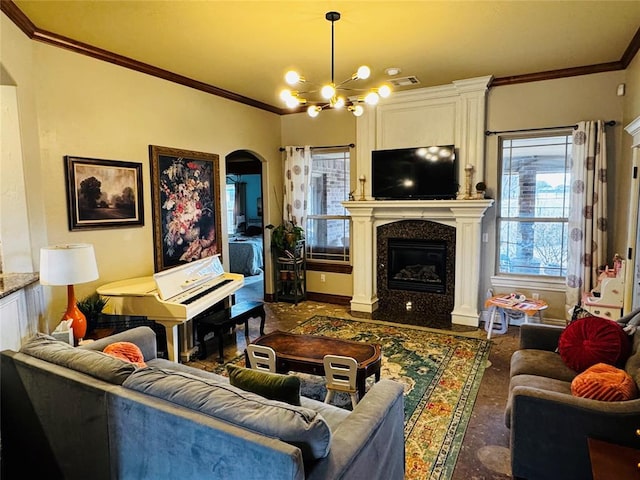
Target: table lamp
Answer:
[[68, 265]]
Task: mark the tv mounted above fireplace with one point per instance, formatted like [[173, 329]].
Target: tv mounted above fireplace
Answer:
[[418, 173]]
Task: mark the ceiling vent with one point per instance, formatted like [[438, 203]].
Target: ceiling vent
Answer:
[[405, 81]]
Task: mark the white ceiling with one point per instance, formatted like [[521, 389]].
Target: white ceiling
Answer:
[[245, 47]]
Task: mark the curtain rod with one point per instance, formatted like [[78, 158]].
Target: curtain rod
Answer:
[[351, 145], [610, 123]]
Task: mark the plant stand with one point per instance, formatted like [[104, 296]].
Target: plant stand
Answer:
[[290, 274]]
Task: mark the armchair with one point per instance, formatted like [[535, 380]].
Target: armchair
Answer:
[[549, 426]]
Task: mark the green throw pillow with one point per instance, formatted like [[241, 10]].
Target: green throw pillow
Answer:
[[274, 386]]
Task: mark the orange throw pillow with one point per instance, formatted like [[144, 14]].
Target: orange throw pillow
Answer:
[[127, 351], [604, 382]]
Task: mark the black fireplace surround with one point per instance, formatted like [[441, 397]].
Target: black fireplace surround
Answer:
[[415, 272]]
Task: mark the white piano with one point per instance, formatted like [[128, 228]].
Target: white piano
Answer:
[[173, 297]]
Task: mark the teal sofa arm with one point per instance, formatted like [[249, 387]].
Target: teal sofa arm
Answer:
[[369, 443]]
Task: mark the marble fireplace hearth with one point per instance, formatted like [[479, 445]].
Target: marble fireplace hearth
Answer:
[[456, 222]]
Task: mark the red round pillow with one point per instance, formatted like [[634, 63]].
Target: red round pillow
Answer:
[[592, 340]]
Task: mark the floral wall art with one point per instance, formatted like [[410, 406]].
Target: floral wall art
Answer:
[[186, 205]]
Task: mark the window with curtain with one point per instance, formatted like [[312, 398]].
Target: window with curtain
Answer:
[[533, 210], [327, 230]]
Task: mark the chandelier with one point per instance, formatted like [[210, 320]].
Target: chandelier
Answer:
[[334, 95]]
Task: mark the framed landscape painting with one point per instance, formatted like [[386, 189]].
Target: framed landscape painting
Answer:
[[103, 193], [185, 194]]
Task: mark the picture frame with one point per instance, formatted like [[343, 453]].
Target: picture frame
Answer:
[[103, 193], [185, 195]]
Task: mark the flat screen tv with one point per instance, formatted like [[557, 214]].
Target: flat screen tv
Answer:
[[419, 173]]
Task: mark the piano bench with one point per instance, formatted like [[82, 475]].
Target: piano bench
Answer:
[[220, 321]]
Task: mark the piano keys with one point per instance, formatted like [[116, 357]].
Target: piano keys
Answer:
[[173, 297]]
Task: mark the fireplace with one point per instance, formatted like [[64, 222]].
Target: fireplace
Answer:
[[417, 265], [416, 272], [375, 221]]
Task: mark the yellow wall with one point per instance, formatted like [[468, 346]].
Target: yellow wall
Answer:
[[329, 128], [91, 108], [632, 100]]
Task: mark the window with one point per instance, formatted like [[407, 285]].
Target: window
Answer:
[[327, 232], [534, 205]]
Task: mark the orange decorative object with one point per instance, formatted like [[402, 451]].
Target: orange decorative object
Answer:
[[79, 323]]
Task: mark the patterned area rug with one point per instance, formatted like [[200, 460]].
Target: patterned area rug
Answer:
[[441, 374]]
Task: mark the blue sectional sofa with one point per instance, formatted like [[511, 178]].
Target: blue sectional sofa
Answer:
[[79, 413]]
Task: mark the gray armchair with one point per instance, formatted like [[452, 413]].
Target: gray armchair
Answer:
[[549, 426]]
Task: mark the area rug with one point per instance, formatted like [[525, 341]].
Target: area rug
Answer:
[[441, 374]]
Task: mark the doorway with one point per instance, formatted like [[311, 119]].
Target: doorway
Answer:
[[245, 225]]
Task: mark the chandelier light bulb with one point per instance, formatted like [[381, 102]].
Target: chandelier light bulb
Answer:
[[384, 91], [363, 73], [292, 102], [338, 102], [372, 98], [286, 94], [292, 77], [313, 111], [357, 110], [328, 91]]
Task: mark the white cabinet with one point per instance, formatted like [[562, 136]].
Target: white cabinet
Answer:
[[20, 314], [13, 320]]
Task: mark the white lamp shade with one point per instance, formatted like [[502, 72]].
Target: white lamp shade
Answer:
[[68, 264]]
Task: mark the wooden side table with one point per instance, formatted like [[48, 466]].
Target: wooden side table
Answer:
[[613, 462]]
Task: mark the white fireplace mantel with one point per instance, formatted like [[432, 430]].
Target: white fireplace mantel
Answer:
[[465, 215]]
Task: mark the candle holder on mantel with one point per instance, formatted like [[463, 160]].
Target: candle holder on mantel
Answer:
[[467, 195], [362, 180]]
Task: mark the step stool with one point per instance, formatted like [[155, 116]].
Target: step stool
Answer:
[[500, 321]]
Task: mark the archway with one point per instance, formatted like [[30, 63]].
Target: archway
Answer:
[[245, 223]]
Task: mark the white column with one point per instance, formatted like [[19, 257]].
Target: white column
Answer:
[[468, 248], [364, 298]]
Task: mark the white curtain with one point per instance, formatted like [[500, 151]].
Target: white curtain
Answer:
[[297, 175], [588, 210]]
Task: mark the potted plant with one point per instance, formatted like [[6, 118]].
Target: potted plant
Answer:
[[92, 306], [285, 237]]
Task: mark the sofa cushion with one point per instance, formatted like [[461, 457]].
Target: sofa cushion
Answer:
[[592, 340], [127, 351], [295, 425], [541, 363], [604, 382], [97, 364], [275, 386], [533, 381]]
